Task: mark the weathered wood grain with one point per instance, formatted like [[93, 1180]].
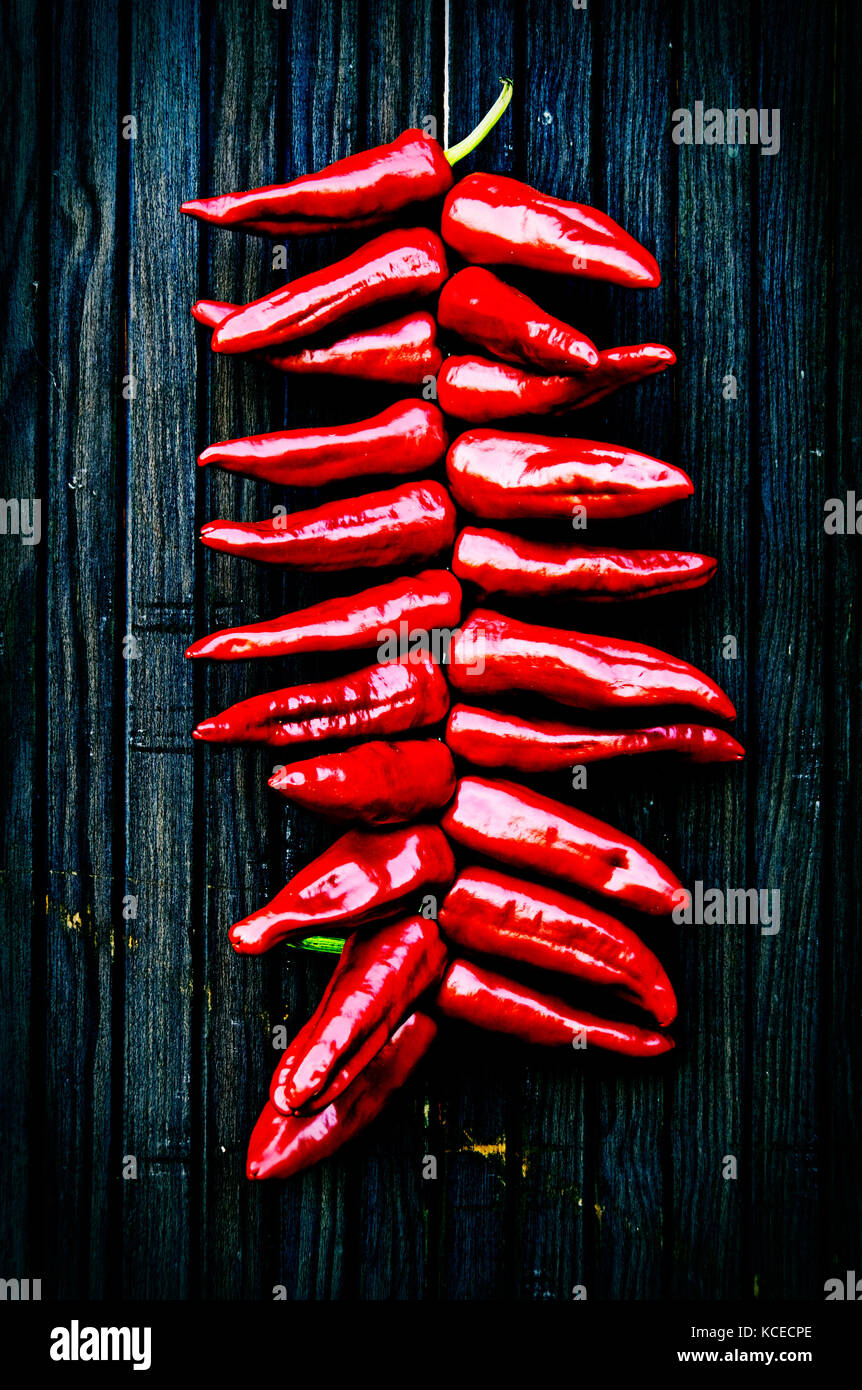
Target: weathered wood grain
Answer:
[[555, 1199], [712, 442], [159, 1230], [236, 866], [788, 712], [403, 61], [841, 1075], [321, 79], [24, 386], [632, 158], [482, 1149], [149, 1037], [85, 606]]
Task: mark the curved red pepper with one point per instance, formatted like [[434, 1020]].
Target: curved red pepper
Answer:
[[500, 563], [497, 915], [376, 983], [489, 739], [518, 826], [396, 265], [282, 1145], [388, 698], [357, 191], [380, 783], [491, 219], [409, 437], [509, 476], [403, 352], [473, 994], [481, 307], [409, 523], [491, 652], [365, 876], [479, 390], [430, 600]]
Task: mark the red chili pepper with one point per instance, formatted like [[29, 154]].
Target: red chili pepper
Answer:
[[358, 191], [491, 652], [375, 985], [479, 390], [409, 437], [403, 352], [473, 994], [388, 698], [518, 826], [412, 522], [498, 915], [500, 563], [509, 476], [396, 265], [430, 600], [376, 782], [480, 307], [365, 876], [491, 219], [489, 739], [282, 1145]]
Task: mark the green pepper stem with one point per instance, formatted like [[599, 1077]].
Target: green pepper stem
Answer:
[[333, 945], [487, 123]]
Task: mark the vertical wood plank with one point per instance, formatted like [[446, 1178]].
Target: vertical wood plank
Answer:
[[85, 604], [794, 352], [843, 1051], [322, 79], [556, 100], [242, 67], [159, 1252], [23, 389], [483, 1170], [403, 61], [633, 171], [713, 444]]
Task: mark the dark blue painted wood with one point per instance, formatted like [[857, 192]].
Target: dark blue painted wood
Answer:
[[146, 1036]]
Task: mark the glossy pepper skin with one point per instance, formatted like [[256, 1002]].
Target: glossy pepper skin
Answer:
[[430, 600], [358, 191], [479, 390], [492, 653], [365, 876], [482, 308], [402, 352], [409, 437], [498, 915], [491, 219], [405, 524], [396, 265], [504, 476], [282, 1145], [473, 994], [389, 698], [375, 985], [517, 826], [501, 563], [376, 782], [489, 739]]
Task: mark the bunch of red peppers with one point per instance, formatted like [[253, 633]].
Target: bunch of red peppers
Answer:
[[424, 932]]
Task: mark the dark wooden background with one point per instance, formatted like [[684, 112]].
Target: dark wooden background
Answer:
[[146, 1035]]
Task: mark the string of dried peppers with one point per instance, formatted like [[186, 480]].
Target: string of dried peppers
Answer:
[[373, 884]]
